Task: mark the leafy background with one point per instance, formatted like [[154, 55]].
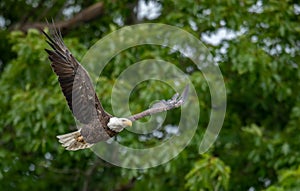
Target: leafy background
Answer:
[[258, 147]]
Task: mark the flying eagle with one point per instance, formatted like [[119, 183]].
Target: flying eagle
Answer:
[[96, 124]]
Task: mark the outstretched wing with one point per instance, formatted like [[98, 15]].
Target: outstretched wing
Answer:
[[74, 80], [163, 105]]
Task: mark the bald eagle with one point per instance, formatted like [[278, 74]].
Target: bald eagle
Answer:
[[96, 124]]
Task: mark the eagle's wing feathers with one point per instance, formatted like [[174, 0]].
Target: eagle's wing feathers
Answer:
[[74, 80], [163, 105]]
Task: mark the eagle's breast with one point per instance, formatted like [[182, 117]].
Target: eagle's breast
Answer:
[[97, 131]]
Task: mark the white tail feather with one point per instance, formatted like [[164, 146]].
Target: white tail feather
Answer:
[[73, 141]]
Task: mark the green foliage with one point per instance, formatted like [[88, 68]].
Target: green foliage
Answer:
[[258, 146], [288, 180], [209, 173]]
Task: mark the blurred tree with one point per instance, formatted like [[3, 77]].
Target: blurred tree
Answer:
[[258, 147]]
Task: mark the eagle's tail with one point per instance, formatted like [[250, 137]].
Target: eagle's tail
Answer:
[[73, 141]]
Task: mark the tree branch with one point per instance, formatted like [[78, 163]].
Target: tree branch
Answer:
[[85, 15]]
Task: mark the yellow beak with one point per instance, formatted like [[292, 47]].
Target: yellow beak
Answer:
[[128, 123]]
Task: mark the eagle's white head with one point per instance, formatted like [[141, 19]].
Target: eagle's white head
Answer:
[[118, 124]]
